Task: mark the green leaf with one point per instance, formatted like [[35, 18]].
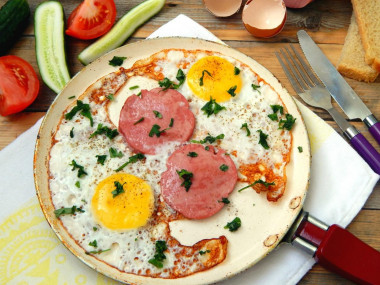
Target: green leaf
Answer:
[[232, 90], [93, 243], [256, 87], [118, 190], [245, 126], [263, 139], [67, 211], [211, 107], [266, 184], [80, 168], [115, 153], [288, 123], [234, 225], [236, 71], [157, 114], [224, 200], [134, 87], [139, 121], [101, 159], [203, 74], [159, 255], [192, 154], [223, 167], [72, 133], [84, 110], [117, 60], [110, 133], [300, 149], [132, 159], [209, 139], [186, 176]]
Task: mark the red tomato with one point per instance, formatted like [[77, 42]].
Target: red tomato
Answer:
[[19, 84], [91, 19]]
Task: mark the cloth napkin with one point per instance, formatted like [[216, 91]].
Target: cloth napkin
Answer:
[[30, 253]]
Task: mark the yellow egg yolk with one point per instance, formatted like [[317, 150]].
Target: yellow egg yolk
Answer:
[[214, 77], [122, 201]]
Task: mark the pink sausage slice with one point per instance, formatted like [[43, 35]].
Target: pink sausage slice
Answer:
[[156, 109], [214, 176]]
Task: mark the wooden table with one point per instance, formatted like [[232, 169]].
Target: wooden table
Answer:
[[325, 20]]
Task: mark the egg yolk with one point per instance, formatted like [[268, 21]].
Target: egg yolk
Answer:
[[122, 201], [213, 76]]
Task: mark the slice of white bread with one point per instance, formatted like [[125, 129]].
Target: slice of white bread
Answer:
[[351, 62], [367, 13]]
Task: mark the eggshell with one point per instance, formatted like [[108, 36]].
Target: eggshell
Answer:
[[264, 18], [222, 8], [297, 3]]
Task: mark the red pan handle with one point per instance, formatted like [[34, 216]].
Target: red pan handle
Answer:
[[340, 251]]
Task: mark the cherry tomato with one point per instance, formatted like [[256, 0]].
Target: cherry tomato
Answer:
[[19, 84], [91, 19]]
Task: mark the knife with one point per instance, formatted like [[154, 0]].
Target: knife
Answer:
[[339, 89]]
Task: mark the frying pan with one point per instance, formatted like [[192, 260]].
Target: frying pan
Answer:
[[257, 236]]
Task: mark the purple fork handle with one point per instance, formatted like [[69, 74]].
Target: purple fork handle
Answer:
[[366, 151], [375, 131]]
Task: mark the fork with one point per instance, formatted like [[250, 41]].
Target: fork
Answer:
[[315, 94]]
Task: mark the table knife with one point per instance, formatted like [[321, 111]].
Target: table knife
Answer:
[[339, 89]]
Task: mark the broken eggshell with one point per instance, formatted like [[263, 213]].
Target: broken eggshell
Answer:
[[264, 18], [222, 8]]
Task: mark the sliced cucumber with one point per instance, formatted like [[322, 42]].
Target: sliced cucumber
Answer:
[[50, 47], [14, 17], [122, 30]]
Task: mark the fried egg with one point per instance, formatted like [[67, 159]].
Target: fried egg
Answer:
[[126, 226]]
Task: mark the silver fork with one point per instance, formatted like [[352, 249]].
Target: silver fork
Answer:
[[314, 93]]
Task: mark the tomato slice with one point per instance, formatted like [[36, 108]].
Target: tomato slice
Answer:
[[19, 84], [91, 19]]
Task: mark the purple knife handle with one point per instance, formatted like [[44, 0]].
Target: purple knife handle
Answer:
[[374, 127], [366, 151], [375, 131]]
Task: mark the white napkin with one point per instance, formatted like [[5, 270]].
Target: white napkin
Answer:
[[30, 252]]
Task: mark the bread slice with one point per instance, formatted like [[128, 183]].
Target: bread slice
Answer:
[[367, 13], [351, 62]]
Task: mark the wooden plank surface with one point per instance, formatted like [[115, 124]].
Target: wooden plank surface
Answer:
[[325, 20]]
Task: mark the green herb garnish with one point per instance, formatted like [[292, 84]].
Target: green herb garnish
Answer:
[[117, 60], [67, 211], [110, 97], [186, 176], [159, 255], [93, 243], [167, 83], [80, 168], [202, 252], [232, 90], [101, 159], [236, 71], [139, 121], [212, 107], [263, 139], [234, 225], [287, 123], [171, 122], [256, 87], [225, 201], [110, 133], [277, 108], [132, 159], [245, 126], [94, 229], [97, 251], [273, 117], [134, 87], [118, 190], [203, 74], [72, 133], [157, 114], [71, 97], [155, 130], [300, 149], [77, 184], [192, 154], [114, 153], [209, 139], [223, 167], [84, 111], [266, 184]]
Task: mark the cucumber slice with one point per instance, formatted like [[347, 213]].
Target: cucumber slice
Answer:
[[122, 30], [50, 47]]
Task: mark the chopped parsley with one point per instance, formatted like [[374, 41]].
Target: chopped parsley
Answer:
[[263, 139], [110, 133], [223, 167], [157, 114], [114, 153], [132, 159], [155, 130], [287, 123], [94, 229], [234, 225], [245, 126], [166, 83], [224, 200], [207, 147], [203, 74], [118, 190], [232, 90], [77, 184], [273, 117], [134, 87], [202, 252], [236, 71], [300, 149], [84, 111], [192, 154], [80, 168], [110, 97], [266, 184], [72, 133], [93, 243], [209, 139], [256, 87], [211, 107], [67, 211], [275, 109], [159, 255], [117, 60], [101, 159], [138, 94], [171, 122], [71, 97], [186, 176], [139, 121], [97, 251]]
